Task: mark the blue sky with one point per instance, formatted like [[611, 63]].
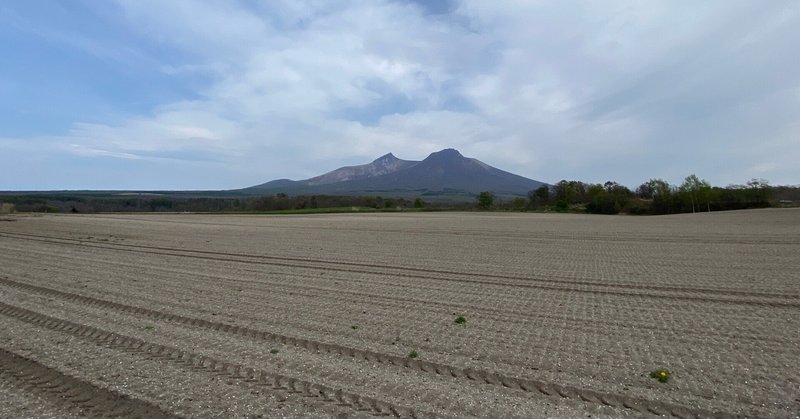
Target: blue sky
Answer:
[[141, 94]]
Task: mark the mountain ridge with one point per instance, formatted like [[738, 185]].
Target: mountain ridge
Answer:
[[445, 172], [385, 164]]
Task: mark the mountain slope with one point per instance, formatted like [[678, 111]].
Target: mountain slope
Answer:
[[382, 165], [445, 172], [449, 171]]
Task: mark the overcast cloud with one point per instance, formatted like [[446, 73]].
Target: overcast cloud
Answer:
[[138, 94]]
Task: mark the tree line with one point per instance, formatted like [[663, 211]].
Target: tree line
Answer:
[[657, 196], [76, 202]]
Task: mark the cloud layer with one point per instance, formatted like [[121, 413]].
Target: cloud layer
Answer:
[[204, 95]]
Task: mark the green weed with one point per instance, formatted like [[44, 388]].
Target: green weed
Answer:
[[661, 375]]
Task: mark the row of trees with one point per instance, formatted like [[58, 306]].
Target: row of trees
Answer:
[[282, 202], [87, 203], [655, 196]]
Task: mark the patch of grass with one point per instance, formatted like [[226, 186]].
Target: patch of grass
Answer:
[[413, 354], [460, 320], [661, 375], [273, 351]]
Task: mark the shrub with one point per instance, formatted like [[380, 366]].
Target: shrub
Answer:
[[485, 200]]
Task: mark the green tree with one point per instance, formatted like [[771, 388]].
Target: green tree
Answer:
[[539, 196], [758, 192], [662, 194], [570, 192], [698, 191], [609, 198], [645, 191], [485, 200], [419, 203]]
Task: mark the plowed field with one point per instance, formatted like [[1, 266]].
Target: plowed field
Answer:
[[182, 315]]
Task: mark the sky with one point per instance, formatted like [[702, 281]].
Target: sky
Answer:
[[169, 95]]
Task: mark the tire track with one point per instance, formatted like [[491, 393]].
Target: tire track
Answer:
[[190, 360], [64, 389], [264, 258], [565, 281], [479, 376], [508, 365], [579, 323], [420, 273]]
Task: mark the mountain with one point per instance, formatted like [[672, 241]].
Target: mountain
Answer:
[[383, 165], [445, 172]]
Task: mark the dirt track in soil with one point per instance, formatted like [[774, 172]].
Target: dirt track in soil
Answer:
[[566, 315]]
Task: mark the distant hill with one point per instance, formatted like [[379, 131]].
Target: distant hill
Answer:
[[444, 173]]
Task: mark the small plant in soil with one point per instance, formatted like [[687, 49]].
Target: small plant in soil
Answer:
[[660, 375], [460, 320], [273, 351], [354, 327], [412, 354], [149, 327]]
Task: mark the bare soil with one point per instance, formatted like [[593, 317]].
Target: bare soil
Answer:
[[148, 315]]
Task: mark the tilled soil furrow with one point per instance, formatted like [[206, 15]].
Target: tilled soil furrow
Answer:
[[244, 373], [279, 381], [689, 330], [329, 295], [722, 295], [581, 352], [448, 297], [64, 389], [553, 277], [587, 328], [775, 239], [175, 387], [577, 348], [613, 300], [680, 335]]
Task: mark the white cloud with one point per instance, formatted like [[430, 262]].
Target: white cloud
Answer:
[[550, 90]]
